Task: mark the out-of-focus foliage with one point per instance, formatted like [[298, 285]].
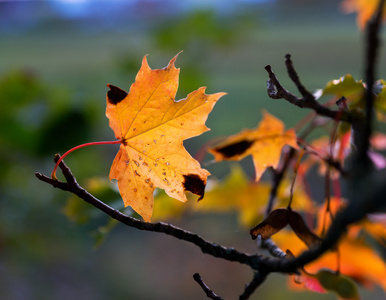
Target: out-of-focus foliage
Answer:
[[365, 9], [199, 32], [264, 143], [369, 270], [202, 28]]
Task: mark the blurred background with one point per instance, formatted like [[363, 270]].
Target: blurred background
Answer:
[[56, 58]]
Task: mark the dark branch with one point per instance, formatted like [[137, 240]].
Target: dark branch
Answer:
[[277, 178], [373, 28], [277, 91], [207, 247], [355, 211], [258, 279], [209, 293], [307, 96]]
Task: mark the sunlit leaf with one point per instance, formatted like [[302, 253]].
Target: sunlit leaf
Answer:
[[346, 86], [152, 126], [264, 143]]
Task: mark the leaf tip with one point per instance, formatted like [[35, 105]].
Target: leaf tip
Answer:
[[173, 60]]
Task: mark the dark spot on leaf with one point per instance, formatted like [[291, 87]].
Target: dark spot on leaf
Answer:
[[193, 183], [115, 94], [234, 149]]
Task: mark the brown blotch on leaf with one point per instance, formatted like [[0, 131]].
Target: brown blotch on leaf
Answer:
[[115, 94], [193, 183], [234, 149]]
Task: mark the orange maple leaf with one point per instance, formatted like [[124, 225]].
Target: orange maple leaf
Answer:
[[264, 144], [152, 127]]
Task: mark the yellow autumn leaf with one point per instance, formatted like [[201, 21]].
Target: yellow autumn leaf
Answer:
[[264, 143], [152, 126]]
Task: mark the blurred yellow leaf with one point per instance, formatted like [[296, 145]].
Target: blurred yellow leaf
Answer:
[[264, 143], [237, 193]]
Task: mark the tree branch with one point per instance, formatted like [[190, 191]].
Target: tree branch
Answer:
[[209, 293], [355, 211], [207, 247], [276, 91], [372, 43], [258, 279]]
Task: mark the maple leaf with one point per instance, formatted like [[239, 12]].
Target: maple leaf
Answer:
[[152, 126], [264, 144]]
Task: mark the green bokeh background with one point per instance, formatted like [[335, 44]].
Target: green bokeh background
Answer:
[[53, 76]]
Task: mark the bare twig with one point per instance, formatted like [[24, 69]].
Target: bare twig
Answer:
[[209, 293], [277, 91], [272, 248], [258, 279], [307, 96]]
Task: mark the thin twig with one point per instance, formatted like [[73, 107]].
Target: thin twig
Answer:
[[258, 279], [277, 177], [277, 91], [209, 293], [307, 96], [272, 248]]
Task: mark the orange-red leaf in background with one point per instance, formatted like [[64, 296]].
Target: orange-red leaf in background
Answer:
[[364, 8], [264, 143], [326, 280], [152, 126]]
